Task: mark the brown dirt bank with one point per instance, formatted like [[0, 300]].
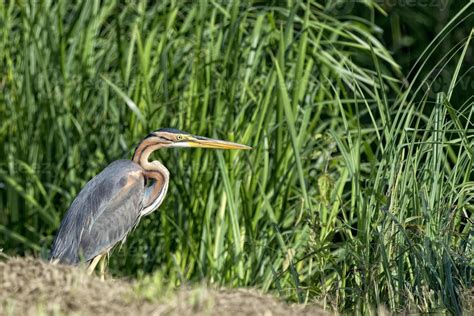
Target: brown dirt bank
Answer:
[[30, 286]]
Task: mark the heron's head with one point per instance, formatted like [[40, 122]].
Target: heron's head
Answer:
[[170, 137]]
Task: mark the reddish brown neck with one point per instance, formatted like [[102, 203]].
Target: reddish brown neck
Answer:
[[143, 152], [152, 170]]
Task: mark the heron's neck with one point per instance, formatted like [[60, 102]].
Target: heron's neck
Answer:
[[143, 152], [153, 170]]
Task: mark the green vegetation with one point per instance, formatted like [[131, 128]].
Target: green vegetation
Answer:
[[360, 188]]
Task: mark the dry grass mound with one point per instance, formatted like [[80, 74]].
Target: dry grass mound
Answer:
[[30, 286]]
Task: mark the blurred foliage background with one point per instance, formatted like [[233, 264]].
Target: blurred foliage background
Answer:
[[359, 191]]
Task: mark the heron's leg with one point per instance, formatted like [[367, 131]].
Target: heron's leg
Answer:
[[93, 264], [54, 261], [103, 265]]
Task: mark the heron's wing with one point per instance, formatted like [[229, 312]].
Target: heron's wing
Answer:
[[102, 214], [115, 220]]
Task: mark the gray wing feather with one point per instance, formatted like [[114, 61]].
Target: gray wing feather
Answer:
[[105, 210]]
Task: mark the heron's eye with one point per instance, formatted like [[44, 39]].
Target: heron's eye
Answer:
[[179, 137]]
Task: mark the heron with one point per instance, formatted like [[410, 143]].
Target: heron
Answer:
[[112, 203]]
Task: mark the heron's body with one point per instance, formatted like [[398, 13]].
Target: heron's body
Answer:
[[116, 197], [112, 203]]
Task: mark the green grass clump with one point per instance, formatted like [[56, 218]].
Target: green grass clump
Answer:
[[359, 190]]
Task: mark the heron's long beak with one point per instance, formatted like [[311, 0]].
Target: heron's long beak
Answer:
[[204, 142]]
